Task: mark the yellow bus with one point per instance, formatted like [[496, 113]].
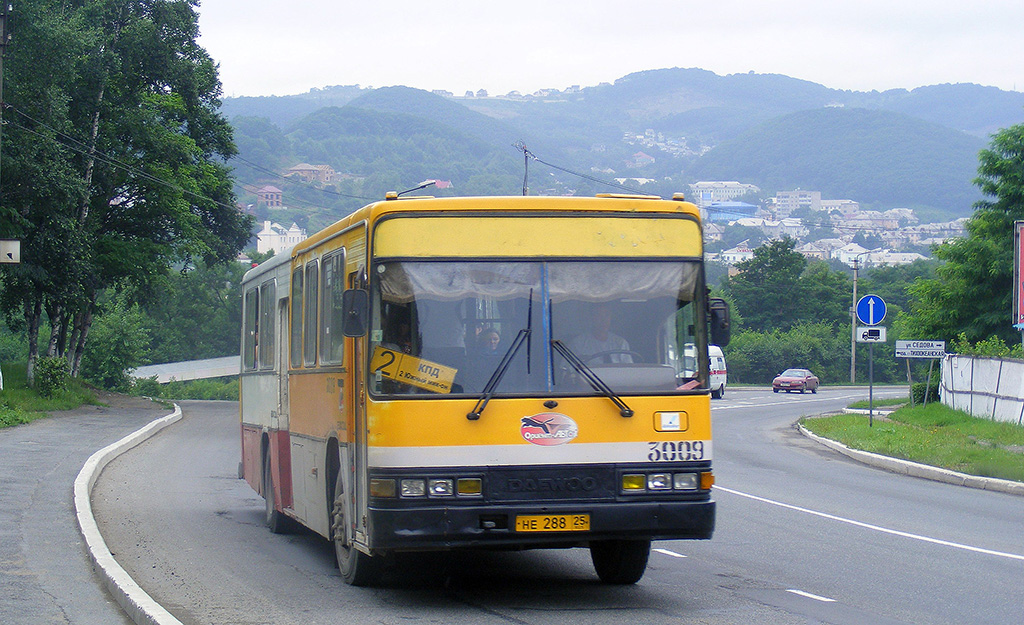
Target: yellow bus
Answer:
[[485, 372]]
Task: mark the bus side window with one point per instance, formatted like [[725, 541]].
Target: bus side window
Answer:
[[251, 329], [265, 338], [296, 319]]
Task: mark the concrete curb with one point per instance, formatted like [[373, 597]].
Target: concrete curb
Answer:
[[916, 469], [139, 606]]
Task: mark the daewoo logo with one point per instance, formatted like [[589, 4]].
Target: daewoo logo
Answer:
[[548, 428]]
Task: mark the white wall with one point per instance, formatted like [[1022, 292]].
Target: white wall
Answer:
[[984, 387]]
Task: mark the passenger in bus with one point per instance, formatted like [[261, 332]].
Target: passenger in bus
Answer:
[[599, 339], [488, 341]]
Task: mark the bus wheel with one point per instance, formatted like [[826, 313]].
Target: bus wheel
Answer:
[[620, 561], [357, 568], [276, 521]]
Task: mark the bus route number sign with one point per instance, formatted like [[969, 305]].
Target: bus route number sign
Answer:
[[411, 370]]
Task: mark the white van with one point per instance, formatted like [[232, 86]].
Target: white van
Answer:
[[718, 371]]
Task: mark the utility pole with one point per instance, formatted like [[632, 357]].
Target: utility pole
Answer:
[[853, 326], [5, 38]]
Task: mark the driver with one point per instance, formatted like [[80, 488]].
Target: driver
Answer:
[[599, 339]]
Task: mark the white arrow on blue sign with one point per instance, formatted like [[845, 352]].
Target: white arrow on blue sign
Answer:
[[871, 310]]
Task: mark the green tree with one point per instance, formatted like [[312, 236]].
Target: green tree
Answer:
[[768, 289], [131, 177], [972, 290], [120, 342]]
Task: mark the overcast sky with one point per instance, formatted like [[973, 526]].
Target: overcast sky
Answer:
[[272, 47]]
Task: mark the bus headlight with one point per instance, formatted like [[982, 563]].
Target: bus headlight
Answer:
[[685, 481], [659, 481], [634, 483], [441, 488], [414, 488], [470, 486], [381, 487]]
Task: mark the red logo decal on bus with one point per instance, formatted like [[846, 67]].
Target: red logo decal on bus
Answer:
[[548, 428]]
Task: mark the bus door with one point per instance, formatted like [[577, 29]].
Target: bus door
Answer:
[[357, 492]]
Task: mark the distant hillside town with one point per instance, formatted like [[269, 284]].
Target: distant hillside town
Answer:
[[825, 229]]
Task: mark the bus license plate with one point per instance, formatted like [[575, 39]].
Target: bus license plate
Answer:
[[553, 523]]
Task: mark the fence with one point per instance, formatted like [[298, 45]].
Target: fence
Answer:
[[984, 387]]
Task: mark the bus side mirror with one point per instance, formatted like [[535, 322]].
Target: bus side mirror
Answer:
[[718, 310], [355, 304]]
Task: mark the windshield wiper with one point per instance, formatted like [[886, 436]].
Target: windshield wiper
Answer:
[[592, 378], [499, 372]]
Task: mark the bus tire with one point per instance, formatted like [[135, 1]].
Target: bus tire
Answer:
[[620, 561], [276, 521], [356, 567]]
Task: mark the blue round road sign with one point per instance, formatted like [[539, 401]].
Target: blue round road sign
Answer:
[[870, 310]]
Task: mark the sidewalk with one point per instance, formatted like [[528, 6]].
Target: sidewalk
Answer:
[[45, 573]]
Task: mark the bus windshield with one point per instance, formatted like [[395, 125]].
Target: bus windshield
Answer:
[[444, 327]]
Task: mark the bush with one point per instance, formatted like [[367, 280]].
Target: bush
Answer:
[[117, 343], [51, 376], [919, 389]]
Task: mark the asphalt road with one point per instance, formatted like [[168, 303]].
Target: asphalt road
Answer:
[[45, 574], [804, 535]]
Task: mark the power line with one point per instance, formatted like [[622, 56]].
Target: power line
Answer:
[[527, 154], [78, 146]]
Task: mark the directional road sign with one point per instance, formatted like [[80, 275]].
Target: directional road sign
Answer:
[[871, 334], [920, 349], [870, 310]]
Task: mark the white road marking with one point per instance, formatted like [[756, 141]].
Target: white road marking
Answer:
[[670, 553], [806, 400], [810, 596], [876, 528]]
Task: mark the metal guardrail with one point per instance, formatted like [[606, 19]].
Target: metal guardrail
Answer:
[[191, 369]]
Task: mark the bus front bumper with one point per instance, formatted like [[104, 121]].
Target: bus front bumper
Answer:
[[440, 528]]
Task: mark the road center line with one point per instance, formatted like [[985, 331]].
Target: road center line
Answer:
[[877, 528], [810, 596], [670, 553]]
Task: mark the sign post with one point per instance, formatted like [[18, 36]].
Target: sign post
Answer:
[[871, 312], [921, 349]]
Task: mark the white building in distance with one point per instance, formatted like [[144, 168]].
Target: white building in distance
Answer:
[[276, 237]]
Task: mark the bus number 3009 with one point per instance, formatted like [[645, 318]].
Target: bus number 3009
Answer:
[[670, 451]]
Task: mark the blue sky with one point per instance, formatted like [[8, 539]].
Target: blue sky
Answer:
[[271, 47]]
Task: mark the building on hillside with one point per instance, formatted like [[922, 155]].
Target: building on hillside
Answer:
[[738, 254], [638, 160], [851, 251], [311, 173], [846, 208], [729, 211], [276, 237], [707, 192], [270, 196], [788, 201], [813, 251]]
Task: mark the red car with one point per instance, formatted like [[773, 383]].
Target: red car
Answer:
[[795, 380]]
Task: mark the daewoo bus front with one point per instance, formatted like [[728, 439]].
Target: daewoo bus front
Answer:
[[537, 377]]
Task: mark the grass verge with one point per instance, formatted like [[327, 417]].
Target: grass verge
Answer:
[[20, 404], [935, 435]]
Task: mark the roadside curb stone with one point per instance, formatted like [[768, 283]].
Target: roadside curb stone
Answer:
[[916, 469]]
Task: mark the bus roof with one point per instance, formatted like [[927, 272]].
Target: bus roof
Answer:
[[514, 203]]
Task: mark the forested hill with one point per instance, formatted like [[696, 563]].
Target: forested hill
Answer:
[[896, 148], [876, 157]]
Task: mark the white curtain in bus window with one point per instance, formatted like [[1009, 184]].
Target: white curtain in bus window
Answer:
[[404, 282], [602, 282]]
